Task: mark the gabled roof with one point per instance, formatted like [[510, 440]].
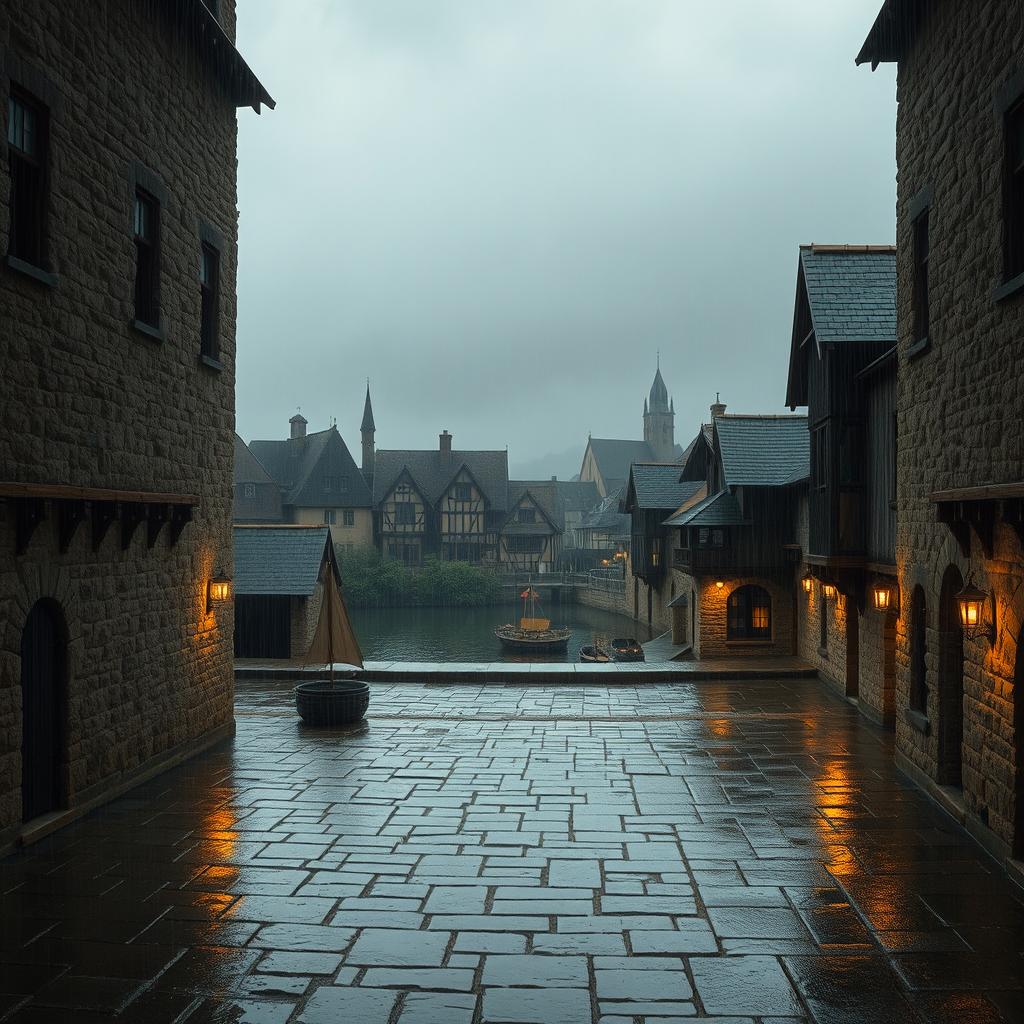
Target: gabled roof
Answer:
[[721, 509], [699, 448], [844, 294], [893, 31], [577, 495], [614, 457], [248, 469], [280, 559], [432, 472], [763, 451], [546, 494], [851, 291], [606, 517], [656, 486], [300, 464]]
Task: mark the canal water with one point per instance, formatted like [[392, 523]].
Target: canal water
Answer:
[[467, 634]]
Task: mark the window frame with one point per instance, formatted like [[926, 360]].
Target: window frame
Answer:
[[147, 259], [462, 491], [248, 490], [403, 517], [526, 516], [33, 168], [1009, 107], [330, 517], [209, 309], [746, 631], [348, 517]]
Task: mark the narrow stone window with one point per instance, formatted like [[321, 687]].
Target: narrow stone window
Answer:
[[27, 138], [921, 312], [209, 287], [146, 221], [749, 614], [918, 652], [1013, 194]]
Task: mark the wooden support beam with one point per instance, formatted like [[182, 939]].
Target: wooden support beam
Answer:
[[103, 514], [132, 514], [156, 516], [29, 513], [1013, 515], [982, 516], [951, 513], [181, 516], [70, 515]]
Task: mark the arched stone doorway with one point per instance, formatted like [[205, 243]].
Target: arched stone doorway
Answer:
[[950, 681], [43, 709], [1018, 750]]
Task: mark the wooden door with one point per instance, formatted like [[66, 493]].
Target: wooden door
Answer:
[[43, 659]]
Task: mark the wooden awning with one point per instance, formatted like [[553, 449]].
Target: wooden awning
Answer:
[[73, 504]]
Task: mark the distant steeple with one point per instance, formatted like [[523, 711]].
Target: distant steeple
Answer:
[[659, 419], [368, 429]]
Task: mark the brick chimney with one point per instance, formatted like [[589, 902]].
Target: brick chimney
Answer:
[[717, 407], [446, 445], [298, 424]]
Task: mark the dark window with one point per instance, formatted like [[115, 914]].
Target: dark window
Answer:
[[823, 622], [349, 517], [708, 537], [527, 515], [146, 220], [27, 160], [249, 490], [525, 545], [1013, 193], [921, 316], [819, 456], [463, 492], [749, 614], [405, 514], [209, 284], [918, 651], [330, 516]]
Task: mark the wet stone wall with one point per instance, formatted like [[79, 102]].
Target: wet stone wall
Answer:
[[89, 400]]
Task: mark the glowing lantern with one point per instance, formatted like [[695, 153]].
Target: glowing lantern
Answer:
[[882, 597], [829, 591], [808, 583], [971, 605], [218, 591]]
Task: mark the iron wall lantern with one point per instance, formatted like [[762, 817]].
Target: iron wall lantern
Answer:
[[808, 583], [971, 605], [217, 591], [830, 591], [883, 597]]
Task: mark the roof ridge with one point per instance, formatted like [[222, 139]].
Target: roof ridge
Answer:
[[762, 416], [846, 247]]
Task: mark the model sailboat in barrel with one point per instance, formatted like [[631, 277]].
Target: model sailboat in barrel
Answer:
[[333, 701], [533, 633]]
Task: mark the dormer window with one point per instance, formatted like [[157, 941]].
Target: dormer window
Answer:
[[463, 492]]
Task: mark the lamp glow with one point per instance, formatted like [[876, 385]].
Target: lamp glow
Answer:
[[808, 583], [218, 591], [882, 597], [971, 605], [829, 591]]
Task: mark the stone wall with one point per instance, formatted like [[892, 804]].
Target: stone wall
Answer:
[[711, 639], [961, 402], [305, 614], [88, 400]]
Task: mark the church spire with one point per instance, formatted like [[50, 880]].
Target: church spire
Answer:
[[368, 429], [367, 423]]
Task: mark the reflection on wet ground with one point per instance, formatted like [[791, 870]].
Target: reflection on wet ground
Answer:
[[737, 851]]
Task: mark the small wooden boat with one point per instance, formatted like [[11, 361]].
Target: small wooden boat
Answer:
[[626, 649], [533, 632], [592, 654]]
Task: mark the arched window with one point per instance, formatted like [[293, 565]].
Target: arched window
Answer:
[[918, 670], [750, 614]]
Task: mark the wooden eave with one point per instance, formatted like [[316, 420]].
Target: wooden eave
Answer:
[[74, 504], [893, 31], [975, 510]]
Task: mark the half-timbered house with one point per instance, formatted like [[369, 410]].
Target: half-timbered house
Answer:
[[842, 368], [531, 536], [441, 502]]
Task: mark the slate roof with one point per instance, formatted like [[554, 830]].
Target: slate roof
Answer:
[[279, 559], [300, 464], [763, 451], [248, 469], [545, 493], [578, 495], [607, 517], [721, 509], [851, 291], [659, 487], [614, 458], [893, 30], [367, 423], [432, 472]]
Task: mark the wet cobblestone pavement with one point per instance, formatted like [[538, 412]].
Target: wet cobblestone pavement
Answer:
[[730, 851]]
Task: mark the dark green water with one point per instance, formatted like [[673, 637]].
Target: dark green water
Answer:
[[467, 634]]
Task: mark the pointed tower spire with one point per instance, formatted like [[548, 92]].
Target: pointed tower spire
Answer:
[[368, 429]]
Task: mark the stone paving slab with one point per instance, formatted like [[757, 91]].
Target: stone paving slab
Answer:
[[630, 854]]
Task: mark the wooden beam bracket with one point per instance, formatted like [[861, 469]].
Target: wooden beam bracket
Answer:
[[156, 516], [1013, 515], [103, 514], [70, 515], [982, 516], [951, 513], [29, 513], [132, 514], [181, 516]]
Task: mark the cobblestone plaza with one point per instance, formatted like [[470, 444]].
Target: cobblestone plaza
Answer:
[[730, 851]]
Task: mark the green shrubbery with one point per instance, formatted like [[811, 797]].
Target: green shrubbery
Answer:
[[370, 581]]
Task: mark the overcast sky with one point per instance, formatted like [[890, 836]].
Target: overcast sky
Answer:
[[500, 210]]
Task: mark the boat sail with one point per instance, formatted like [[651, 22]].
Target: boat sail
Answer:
[[334, 639]]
